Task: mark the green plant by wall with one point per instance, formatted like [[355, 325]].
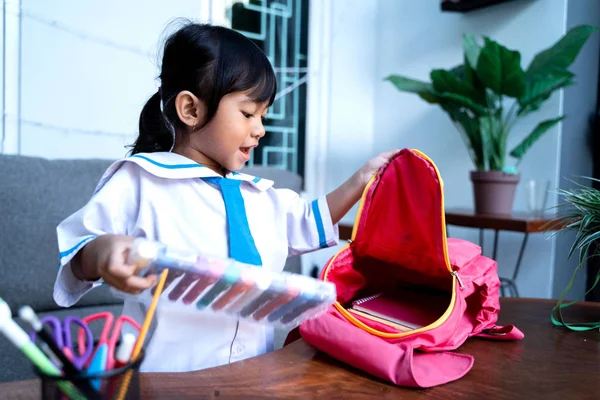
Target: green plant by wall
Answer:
[[473, 94], [581, 215]]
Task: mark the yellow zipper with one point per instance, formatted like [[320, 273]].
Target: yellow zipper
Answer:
[[381, 320], [444, 316]]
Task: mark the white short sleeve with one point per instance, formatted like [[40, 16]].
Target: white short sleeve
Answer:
[[110, 210], [309, 224]]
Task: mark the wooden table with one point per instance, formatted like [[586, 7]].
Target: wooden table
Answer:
[[516, 222], [549, 363]]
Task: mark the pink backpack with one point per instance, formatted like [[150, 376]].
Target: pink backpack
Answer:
[[406, 293]]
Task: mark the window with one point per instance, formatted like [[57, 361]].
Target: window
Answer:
[[280, 28]]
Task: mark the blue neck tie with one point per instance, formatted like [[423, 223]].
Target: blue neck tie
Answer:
[[241, 242]]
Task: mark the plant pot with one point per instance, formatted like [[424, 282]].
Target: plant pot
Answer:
[[494, 191]]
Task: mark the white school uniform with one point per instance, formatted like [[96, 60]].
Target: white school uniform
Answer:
[[160, 196]]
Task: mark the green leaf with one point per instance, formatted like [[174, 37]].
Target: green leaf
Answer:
[[487, 132], [519, 151], [562, 54], [465, 73], [471, 49], [423, 89], [458, 72], [492, 142], [499, 69], [470, 132], [538, 91], [463, 102], [447, 82]]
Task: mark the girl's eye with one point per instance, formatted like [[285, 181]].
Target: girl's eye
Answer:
[[247, 115]]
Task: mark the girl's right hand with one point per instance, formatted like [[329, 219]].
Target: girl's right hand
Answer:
[[106, 257]]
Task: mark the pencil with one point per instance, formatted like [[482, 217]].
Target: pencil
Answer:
[[142, 336]]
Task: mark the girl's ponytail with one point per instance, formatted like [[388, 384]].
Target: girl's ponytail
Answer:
[[154, 134]]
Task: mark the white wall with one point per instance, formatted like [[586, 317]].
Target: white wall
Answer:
[[93, 74]]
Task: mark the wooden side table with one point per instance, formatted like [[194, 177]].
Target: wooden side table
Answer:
[[517, 222]]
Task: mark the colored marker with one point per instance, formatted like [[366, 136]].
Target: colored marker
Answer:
[[280, 299], [318, 298], [122, 357], [124, 350], [247, 278], [277, 286], [261, 283], [307, 291], [173, 274], [229, 277], [216, 270], [201, 268], [183, 285], [17, 336]]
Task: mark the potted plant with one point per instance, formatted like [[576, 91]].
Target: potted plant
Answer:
[[474, 95], [581, 215]]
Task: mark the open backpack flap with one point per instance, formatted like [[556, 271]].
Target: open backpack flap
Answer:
[[399, 251]]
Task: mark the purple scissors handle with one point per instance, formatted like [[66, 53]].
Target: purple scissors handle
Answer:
[[78, 359], [55, 328], [61, 333]]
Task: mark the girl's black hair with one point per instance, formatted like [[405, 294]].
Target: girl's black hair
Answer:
[[209, 61]]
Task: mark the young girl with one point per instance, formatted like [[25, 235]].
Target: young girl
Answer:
[[196, 132]]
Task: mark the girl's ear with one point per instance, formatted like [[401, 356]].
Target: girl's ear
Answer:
[[190, 109]]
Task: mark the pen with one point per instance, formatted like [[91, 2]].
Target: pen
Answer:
[[123, 352], [122, 357], [20, 339]]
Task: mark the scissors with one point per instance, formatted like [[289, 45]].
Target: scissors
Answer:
[[103, 358], [61, 333]]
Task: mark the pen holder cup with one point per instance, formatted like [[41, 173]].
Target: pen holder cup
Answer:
[[107, 385]]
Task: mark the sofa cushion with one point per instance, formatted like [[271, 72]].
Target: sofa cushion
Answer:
[[35, 196]]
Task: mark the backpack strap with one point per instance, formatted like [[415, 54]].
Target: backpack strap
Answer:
[[506, 332]]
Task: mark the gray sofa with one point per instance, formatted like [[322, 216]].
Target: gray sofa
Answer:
[[35, 195]]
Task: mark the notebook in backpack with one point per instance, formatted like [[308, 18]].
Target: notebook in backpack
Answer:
[[399, 252]]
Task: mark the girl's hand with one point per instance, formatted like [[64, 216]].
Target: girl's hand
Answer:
[[344, 197], [365, 173], [106, 257]]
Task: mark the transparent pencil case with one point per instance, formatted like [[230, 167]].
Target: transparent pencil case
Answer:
[[217, 285]]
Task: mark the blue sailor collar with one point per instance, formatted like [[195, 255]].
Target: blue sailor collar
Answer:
[[175, 166]]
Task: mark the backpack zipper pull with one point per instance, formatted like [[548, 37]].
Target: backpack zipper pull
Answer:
[[460, 282]]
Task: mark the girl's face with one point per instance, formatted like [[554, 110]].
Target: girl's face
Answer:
[[227, 140]]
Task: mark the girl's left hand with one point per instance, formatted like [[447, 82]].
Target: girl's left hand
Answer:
[[365, 173]]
